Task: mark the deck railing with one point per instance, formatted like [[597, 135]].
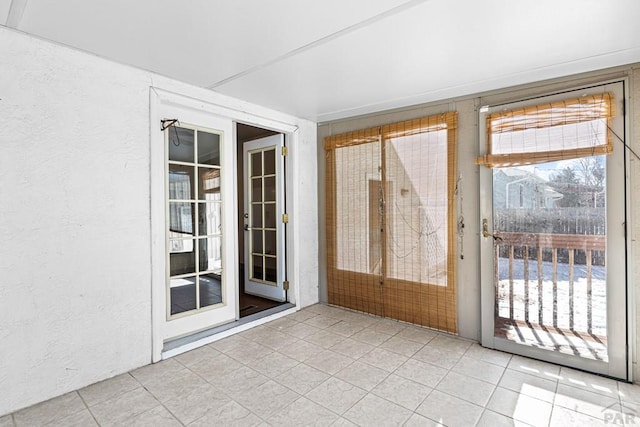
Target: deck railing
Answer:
[[538, 248]]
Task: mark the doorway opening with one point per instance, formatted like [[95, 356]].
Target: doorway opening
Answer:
[[261, 206]]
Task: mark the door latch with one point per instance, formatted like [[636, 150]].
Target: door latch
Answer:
[[485, 230]]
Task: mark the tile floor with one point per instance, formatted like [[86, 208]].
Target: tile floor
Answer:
[[327, 366]]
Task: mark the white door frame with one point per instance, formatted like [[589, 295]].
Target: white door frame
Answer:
[[619, 324], [161, 101]]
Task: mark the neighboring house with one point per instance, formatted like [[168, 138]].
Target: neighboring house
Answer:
[[519, 189]]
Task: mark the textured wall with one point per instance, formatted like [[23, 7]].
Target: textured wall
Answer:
[[75, 269]]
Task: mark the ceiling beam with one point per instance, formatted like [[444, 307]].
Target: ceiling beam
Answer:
[[16, 11]]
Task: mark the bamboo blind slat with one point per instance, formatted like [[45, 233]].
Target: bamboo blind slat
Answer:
[[388, 289], [549, 115]]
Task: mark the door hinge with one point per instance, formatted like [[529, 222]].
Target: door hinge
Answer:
[[285, 285], [285, 151], [285, 218]]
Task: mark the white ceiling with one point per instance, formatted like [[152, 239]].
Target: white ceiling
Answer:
[[329, 59]]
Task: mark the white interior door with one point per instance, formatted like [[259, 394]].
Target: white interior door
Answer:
[[194, 162], [263, 213], [553, 245]]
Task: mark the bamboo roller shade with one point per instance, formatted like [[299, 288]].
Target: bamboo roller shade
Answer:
[[432, 305], [567, 112]]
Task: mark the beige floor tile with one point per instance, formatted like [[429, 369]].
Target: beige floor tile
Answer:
[[322, 321], [267, 399], [529, 385], [423, 373], [276, 340], [119, 410], [563, 417], [239, 381], [467, 388], [301, 350], [301, 330], [520, 407], [250, 352], [417, 420], [155, 370], [419, 335], [346, 328], [256, 333], [194, 356], [586, 402], [352, 348], [324, 339], [343, 422], [336, 395], [230, 415], [210, 369], [197, 402], [371, 337], [174, 384], [362, 375], [329, 361], [79, 419], [402, 346], [589, 382], [156, 417], [534, 367], [302, 315], [629, 392], [384, 359], [281, 323], [273, 365], [438, 356], [375, 411], [302, 378], [449, 410], [227, 344], [493, 419], [303, 412], [6, 421], [406, 393], [487, 355], [52, 410], [389, 326], [107, 389], [479, 369], [451, 344]]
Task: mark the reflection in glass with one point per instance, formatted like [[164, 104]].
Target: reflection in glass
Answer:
[[180, 144], [182, 263], [270, 162], [256, 164], [180, 182], [210, 255], [270, 189], [256, 241], [210, 289], [270, 242], [256, 189], [208, 148], [270, 270], [183, 294], [209, 184], [181, 219], [256, 215], [210, 218], [270, 215], [257, 270]]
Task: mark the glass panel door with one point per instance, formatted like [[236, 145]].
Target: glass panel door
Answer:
[[553, 257]]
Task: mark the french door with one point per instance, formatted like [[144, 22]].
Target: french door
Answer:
[[390, 221], [552, 206], [264, 223]]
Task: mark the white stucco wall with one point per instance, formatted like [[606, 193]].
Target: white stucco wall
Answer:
[[75, 269]]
